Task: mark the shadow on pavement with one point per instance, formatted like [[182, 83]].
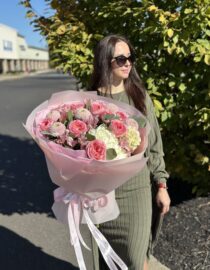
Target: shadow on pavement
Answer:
[[19, 253], [24, 182]]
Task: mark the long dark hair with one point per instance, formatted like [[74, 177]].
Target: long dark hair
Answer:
[[102, 72]]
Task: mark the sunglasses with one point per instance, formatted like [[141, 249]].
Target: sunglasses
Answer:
[[121, 59]]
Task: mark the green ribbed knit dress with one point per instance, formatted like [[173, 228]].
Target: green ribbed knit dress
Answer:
[[133, 233]]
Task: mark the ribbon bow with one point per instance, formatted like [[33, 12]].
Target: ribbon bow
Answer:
[[78, 205]]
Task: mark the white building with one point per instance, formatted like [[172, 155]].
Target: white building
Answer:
[[16, 55]]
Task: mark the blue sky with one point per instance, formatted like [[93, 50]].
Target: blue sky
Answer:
[[13, 15]]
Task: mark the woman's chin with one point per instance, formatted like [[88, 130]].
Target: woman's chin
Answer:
[[125, 76]]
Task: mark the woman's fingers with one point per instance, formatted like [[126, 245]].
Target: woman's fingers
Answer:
[[163, 201]]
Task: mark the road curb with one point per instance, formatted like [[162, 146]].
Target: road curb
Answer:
[[8, 77]]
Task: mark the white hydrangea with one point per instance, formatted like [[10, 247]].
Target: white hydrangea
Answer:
[[133, 138], [103, 134]]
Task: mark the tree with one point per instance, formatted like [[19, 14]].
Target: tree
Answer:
[[171, 41]]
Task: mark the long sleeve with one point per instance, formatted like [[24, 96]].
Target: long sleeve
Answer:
[[155, 152]]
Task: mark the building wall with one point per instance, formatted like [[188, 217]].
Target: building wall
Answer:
[[35, 53], [16, 55], [8, 43], [22, 48]]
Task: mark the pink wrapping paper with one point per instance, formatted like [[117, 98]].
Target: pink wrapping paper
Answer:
[[83, 182], [69, 169]]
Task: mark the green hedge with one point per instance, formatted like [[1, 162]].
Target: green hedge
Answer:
[[171, 40]]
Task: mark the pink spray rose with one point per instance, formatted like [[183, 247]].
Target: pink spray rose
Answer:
[[97, 108], [77, 128], [57, 129], [96, 149], [65, 107], [70, 141], [54, 115], [132, 123], [76, 106], [112, 108], [45, 124], [118, 128], [122, 115]]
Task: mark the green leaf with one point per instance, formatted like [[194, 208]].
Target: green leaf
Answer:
[[88, 104], [158, 104], [48, 134], [164, 116], [162, 19], [182, 87], [141, 121], [171, 83], [111, 153], [194, 189], [188, 10], [170, 32], [30, 14], [197, 58], [61, 30], [207, 59], [110, 117], [207, 32], [70, 115], [165, 43], [175, 39], [26, 3], [90, 137]]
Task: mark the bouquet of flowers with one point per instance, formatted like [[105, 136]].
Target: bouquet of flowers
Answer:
[[92, 145], [101, 130]]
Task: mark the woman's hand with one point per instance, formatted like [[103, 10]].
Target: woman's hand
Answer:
[[163, 200]]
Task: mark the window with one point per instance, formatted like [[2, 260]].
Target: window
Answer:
[[22, 48], [7, 45]]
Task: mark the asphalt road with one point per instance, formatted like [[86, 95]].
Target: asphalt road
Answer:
[[31, 238]]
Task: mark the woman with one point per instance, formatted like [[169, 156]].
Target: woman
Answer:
[[132, 234]]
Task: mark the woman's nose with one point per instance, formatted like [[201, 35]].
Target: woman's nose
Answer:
[[127, 63]]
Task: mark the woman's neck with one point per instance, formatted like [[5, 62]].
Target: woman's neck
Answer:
[[116, 87]]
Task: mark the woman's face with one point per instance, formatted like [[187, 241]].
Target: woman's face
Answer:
[[121, 66]]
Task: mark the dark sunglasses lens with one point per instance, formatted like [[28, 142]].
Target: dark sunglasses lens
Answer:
[[121, 60]]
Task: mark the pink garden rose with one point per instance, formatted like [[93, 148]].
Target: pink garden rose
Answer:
[[118, 128], [45, 124], [96, 149], [57, 129], [77, 128], [97, 108]]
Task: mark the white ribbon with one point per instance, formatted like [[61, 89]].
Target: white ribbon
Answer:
[[76, 205], [108, 253]]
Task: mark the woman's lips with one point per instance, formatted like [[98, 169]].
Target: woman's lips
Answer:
[[126, 71]]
